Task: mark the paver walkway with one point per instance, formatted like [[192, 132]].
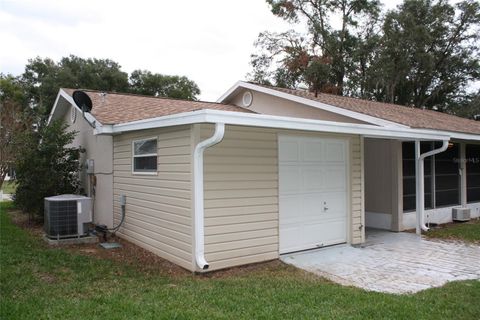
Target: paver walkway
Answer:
[[393, 262]]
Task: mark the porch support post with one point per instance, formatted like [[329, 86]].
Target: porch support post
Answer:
[[463, 175], [420, 187]]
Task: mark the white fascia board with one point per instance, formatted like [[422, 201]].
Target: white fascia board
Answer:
[[457, 135], [89, 117], [230, 91], [312, 103], [277, 122], [54, 109]]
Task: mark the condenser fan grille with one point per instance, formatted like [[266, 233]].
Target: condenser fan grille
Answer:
[[61, 219]]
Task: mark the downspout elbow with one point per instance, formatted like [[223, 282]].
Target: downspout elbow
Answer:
[[199, 209], [422, 157]]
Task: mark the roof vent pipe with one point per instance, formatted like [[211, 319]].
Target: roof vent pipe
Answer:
[[198, 191], [420, 182]]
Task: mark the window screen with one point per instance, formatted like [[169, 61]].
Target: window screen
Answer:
[[447, 176], [145, 155], [442, 177], [409, 185], [472, 158]]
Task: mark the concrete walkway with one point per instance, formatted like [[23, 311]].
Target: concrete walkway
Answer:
[[392, 262]]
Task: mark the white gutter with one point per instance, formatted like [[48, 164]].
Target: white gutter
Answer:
[[198, 192], [419, 178], [269, 121]]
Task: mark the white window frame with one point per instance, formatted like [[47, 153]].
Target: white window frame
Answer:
[[142, 156]]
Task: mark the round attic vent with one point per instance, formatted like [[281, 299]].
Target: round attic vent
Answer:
[[73, 114], [247, 99]]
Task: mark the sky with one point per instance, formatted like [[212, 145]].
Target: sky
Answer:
[[209, 41]]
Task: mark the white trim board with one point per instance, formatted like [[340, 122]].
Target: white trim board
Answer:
[[62, 94]]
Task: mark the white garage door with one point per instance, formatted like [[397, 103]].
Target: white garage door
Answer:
[[313, 192]]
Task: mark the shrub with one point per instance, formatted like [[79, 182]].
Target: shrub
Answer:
[[45, 166]]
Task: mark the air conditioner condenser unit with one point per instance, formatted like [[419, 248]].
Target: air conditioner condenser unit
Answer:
[[461, 214], [66, 216]]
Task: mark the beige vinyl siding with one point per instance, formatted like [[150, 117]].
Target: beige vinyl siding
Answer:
[[159, 207], [241, 197], [356, 191], [241, 194]]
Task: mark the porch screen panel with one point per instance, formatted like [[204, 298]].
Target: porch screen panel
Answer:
[[409, 185], [447, 176], [472, 158]]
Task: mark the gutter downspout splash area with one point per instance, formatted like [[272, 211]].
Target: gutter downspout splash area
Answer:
[[198, 191], [420, 183]]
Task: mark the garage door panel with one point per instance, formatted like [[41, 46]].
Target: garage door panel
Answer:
[[313, 192], [291, 180], [291, 206], [313, 179], [334, 151], [312, 151], [335, 178], [289, 150]]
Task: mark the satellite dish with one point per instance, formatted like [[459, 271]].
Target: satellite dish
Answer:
[[82, 100]]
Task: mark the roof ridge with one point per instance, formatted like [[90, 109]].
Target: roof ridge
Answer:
[[144, 96]]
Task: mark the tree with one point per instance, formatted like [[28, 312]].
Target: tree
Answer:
[[46, 166], [14, 120], [430, 53], [44, 77], [295, 53], [155, 84], [468, 106]]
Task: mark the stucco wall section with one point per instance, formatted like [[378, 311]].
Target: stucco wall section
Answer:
[[383, 165], [159, 207], [99, 148], [266, 104]]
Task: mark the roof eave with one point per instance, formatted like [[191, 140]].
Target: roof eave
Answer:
[[268, 121]]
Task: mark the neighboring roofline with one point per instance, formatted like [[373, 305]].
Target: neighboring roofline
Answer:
[[61, 93], [311, 103], [268, 121]]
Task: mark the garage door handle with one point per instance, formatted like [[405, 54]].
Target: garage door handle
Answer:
[[325, 208]]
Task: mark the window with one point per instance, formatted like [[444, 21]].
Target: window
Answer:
[[472, 158], [145, 156], [441, 174]]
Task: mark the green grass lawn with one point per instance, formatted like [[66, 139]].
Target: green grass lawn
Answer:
[[8, 187], [38, 282], [467, 231]]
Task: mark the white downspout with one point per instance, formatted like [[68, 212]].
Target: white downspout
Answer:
[[419, 178], [198, 191]]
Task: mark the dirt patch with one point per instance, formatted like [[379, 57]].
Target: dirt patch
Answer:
[[22, 220], [46, 277]]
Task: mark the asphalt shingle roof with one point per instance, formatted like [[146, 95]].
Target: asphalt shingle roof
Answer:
[[115, 108], [409, 116]]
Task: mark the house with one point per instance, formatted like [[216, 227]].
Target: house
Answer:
[[267, 171]]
